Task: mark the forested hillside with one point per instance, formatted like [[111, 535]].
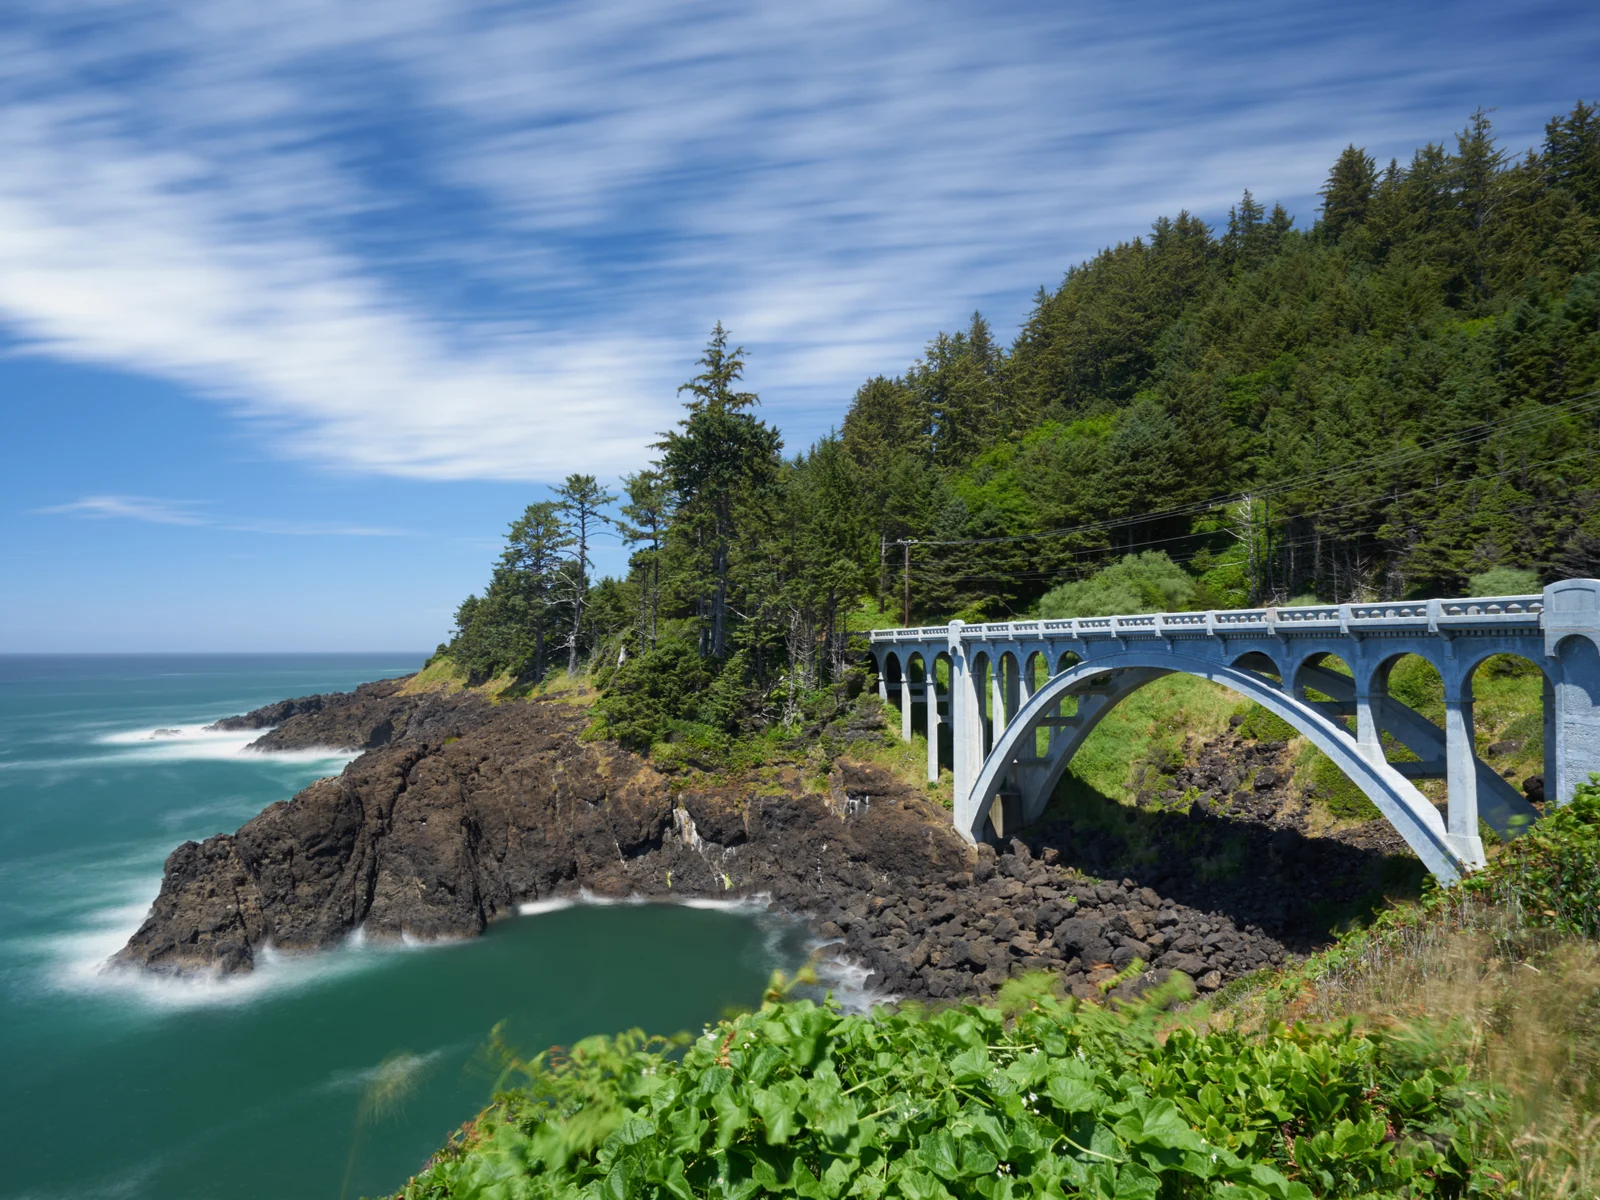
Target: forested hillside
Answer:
[[1385, 403]]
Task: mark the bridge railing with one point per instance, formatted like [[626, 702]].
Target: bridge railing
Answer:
[[1521, 612]]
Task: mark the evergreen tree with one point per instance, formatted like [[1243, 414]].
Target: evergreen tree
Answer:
[[1572, 156], [645, 521], [1347, 194], [716, 463], [534, 548], [582, 507]]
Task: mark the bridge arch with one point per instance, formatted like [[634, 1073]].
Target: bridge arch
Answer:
[[1312, 669], [1260, 662], [1012, 757]]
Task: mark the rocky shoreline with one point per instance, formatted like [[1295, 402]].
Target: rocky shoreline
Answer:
[[459, 810]]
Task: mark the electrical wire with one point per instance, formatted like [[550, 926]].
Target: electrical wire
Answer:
[[928, 573], [1587, 402]]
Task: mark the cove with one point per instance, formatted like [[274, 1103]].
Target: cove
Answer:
[[321, 1075]]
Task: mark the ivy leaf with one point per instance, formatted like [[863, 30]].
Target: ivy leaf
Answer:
[[919, 1185], [1135, 1182], [1157, 1123], [778, 1108], [1276, 1186], [635, 1130], [732, 1117], [938, 1154], [1071, 1094], [976, 1160], [970, 1066]]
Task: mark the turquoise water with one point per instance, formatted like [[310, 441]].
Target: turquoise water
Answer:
[[119, 1085]]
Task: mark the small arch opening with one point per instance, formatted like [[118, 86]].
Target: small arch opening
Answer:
[[1069, 704], [980, 670], [1315, 670], [1008, 680], [1261, 664], [1511, 713], [891, 673], [1409, 681], [913, 692]]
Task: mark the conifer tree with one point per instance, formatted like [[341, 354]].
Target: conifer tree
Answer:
[[1347, 192], [1572, 155], [716, 462], [582, 507], [645, 518], [535, 545]]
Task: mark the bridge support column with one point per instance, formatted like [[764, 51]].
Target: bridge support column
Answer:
[[1461, 774], [1572, 638], [906, 698], [966, 728], [1368, 741], [931, 688]]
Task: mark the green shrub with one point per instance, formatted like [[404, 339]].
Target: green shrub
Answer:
[[1264, 725], [1335, 790], [1415, 682], [1553, 871], [1034, 1097], [1148, 582], [650, 692], [1503, 581]]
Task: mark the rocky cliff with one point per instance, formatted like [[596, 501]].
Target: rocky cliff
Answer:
[[463, 809]]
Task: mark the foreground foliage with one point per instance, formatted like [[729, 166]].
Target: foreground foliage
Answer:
[[1040, 1096]]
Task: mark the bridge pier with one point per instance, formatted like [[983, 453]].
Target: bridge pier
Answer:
[[1461, 774]]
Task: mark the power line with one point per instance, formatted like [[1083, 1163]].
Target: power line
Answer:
[[1588, 402], [1305, 540]]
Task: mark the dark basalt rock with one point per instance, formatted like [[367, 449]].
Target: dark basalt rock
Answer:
[[464, 809], [373, 715]]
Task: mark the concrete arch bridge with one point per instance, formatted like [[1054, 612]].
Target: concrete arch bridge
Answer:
[[1006, 769]]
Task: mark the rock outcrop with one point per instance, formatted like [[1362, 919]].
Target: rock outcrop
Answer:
[[373, 715], [466, 809]]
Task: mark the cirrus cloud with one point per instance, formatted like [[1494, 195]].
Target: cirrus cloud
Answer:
[[448, 241]]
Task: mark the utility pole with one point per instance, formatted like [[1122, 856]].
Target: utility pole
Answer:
[[905, 597]]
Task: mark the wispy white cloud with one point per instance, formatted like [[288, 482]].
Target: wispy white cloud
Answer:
[[191, 512], [443, 241], [135, 508]]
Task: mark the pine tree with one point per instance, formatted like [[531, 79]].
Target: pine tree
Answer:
[[645, 521], [1348, 192], [582, 507], [714, 462], [535, 545], [1572, 156]]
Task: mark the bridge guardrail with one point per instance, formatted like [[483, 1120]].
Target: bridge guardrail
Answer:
[[1520, 612]]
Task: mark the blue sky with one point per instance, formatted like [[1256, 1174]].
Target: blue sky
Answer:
[[301, 302]]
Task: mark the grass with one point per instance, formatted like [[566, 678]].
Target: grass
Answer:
[[1480, 984], [444, 674], [867, 616], [1153, 724], [440, 675], [906, 761]]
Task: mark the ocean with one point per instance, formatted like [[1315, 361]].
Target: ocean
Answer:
[[326, 1075]]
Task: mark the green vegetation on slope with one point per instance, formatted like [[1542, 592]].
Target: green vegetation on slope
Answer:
[[1044, 1096]]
